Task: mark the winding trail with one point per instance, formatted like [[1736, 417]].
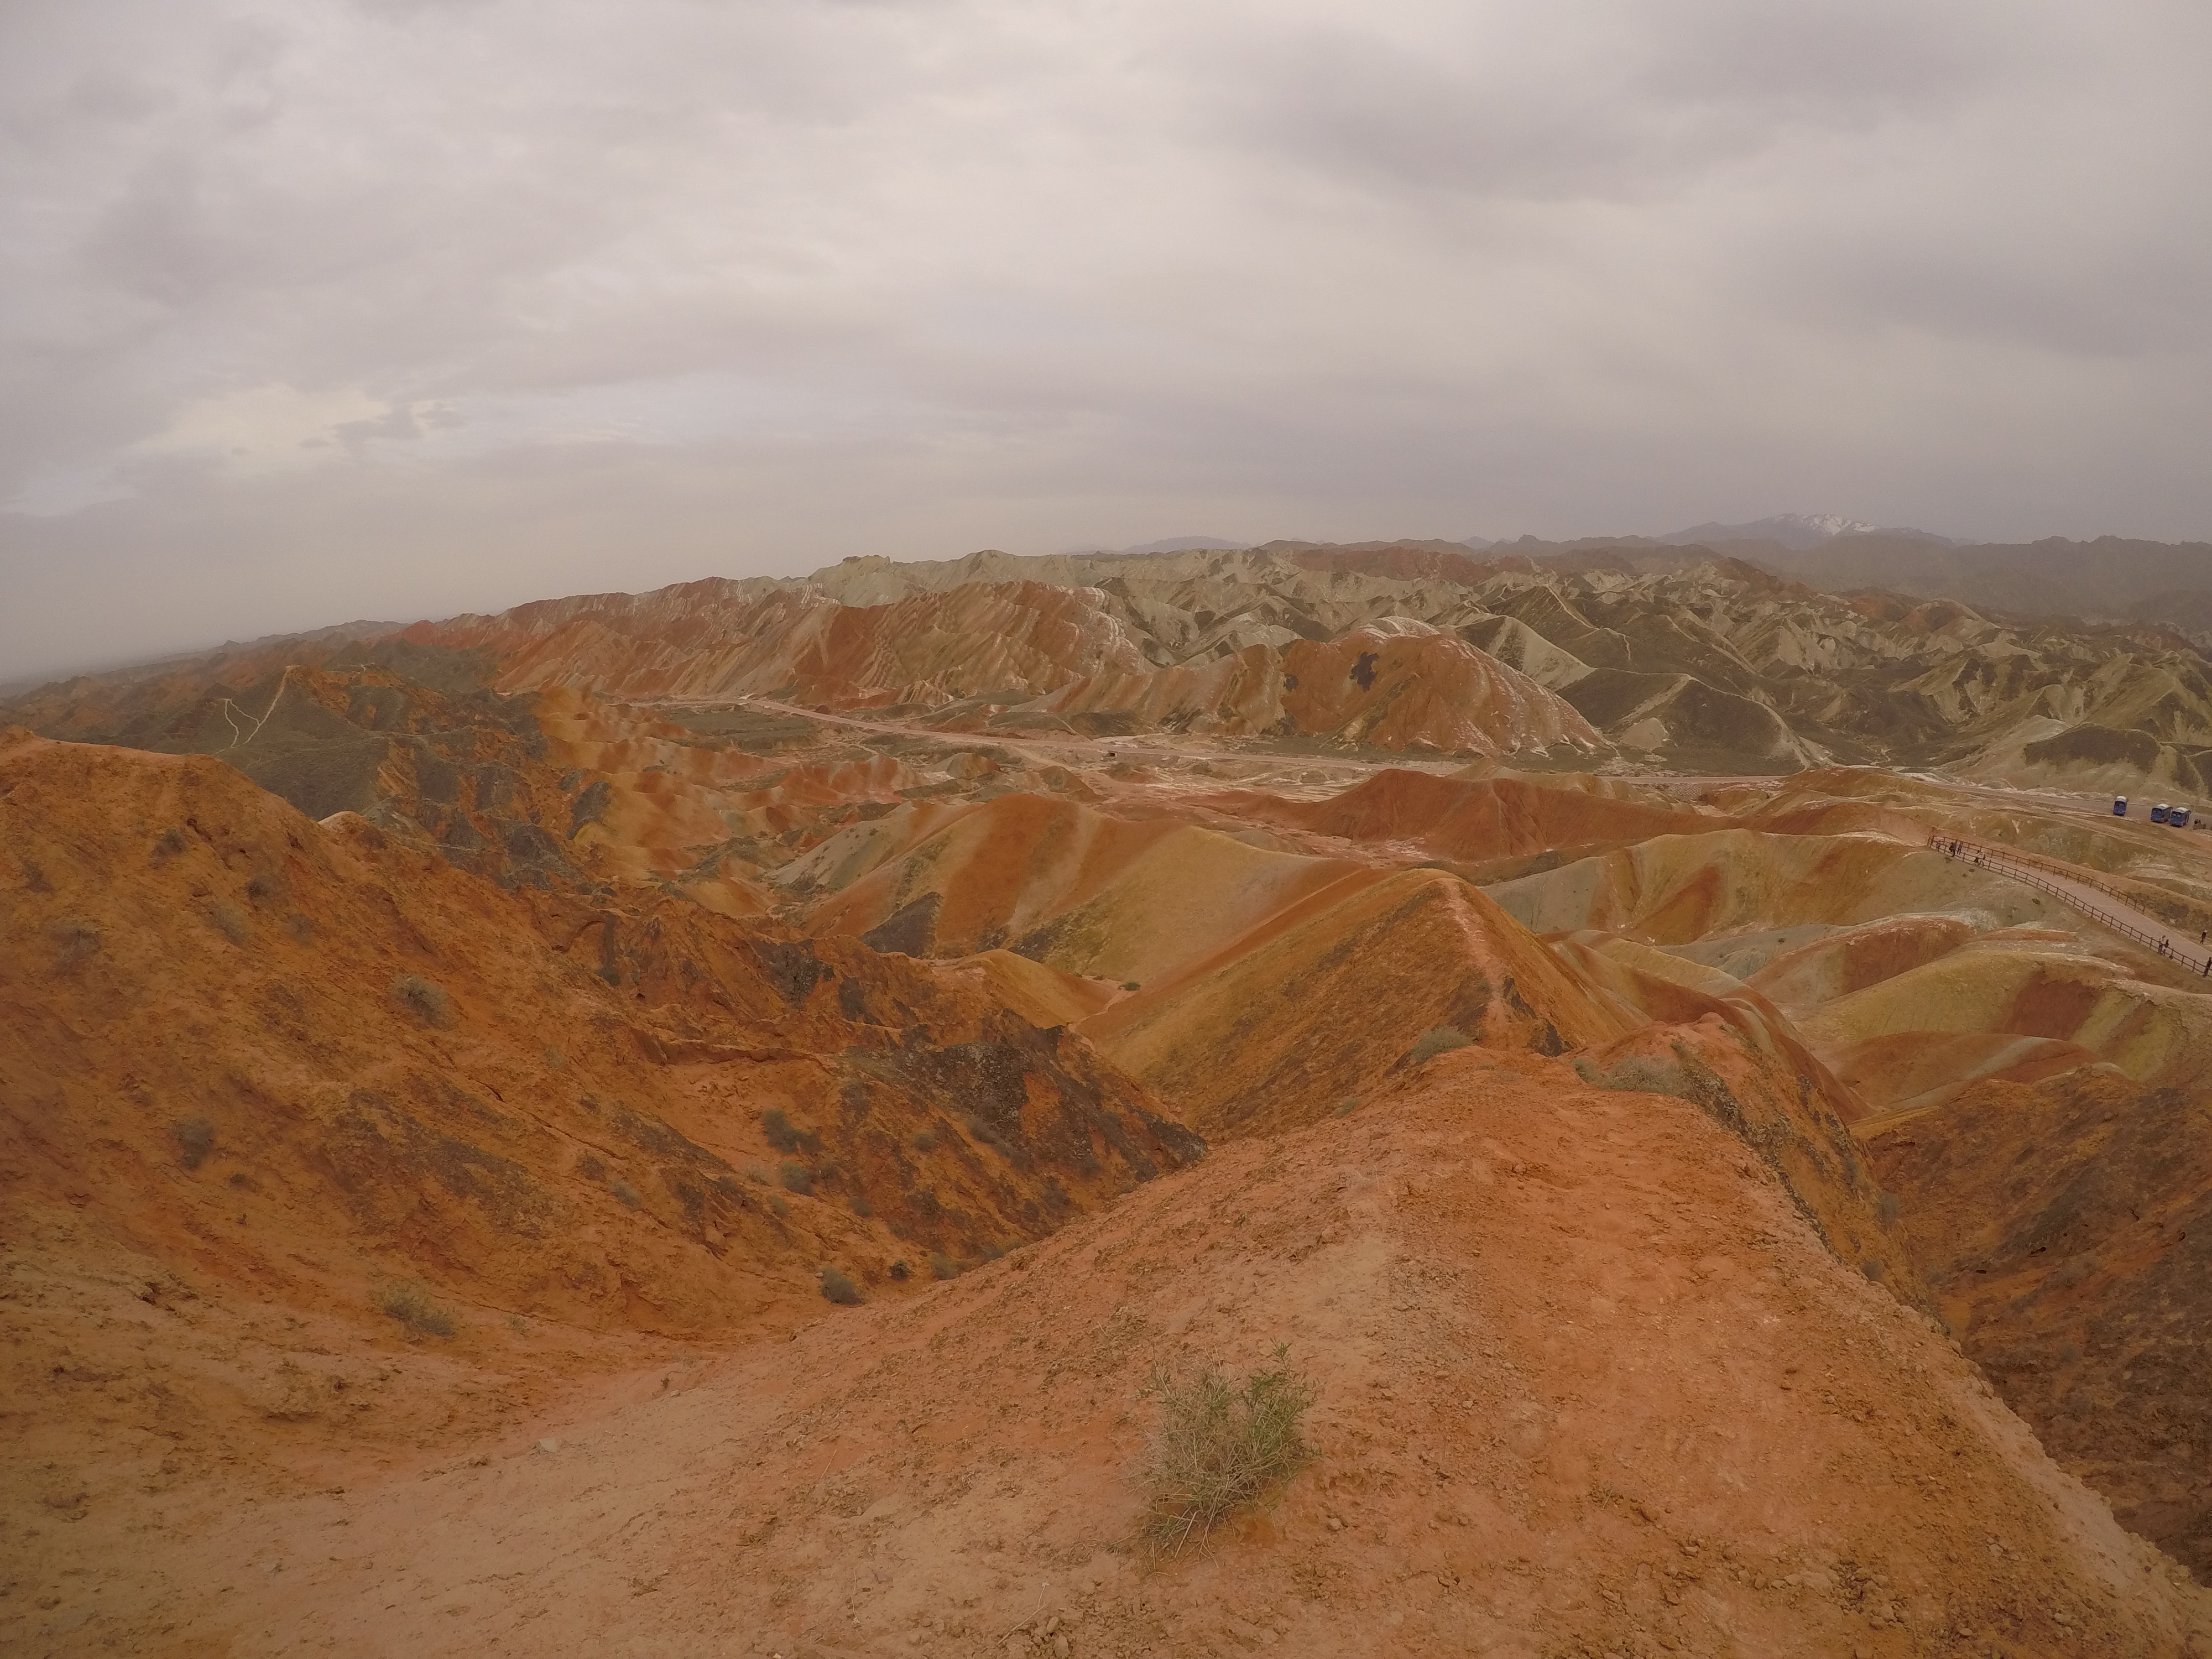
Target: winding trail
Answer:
[[1077, 749], [236, 741]]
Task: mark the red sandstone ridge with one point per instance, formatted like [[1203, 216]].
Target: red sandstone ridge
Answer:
[[1483, 821], [1403, 686], [1055, 654], [727, 639]]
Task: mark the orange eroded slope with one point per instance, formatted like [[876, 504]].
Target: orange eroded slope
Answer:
[[1278, 1025], [719, 639], [1084, 892], [1586, 1383], [1473, 819], [309, 1058], [1404, 687]]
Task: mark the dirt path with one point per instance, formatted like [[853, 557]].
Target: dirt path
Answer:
[[1075, 748]]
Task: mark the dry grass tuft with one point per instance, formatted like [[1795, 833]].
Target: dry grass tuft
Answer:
[[195, 1140], [1437, 1040], [410, 1304], [1219, 1446], [426, 998]]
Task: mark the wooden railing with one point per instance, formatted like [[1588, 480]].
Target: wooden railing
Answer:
[[2033, 872]]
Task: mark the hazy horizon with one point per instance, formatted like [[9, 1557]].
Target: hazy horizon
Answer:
[[347, 308]]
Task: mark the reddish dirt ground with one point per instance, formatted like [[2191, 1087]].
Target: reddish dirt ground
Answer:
[[1587, 1383]]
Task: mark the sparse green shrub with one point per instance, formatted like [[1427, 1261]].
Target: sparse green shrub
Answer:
[[230, 921], [1348, 1105], [836, 1288], [425, 998], [168, 845], [1219, 1446], [410, 1304], [777, 1207], [862, 1208], [1886, 1209], [74, 941], [785, 1135], [260, 886], [942, 1266], [1437, 1040], [1131, 985], [195, 1140], [796, 1178], [981, 1129], [926, 1141], [625, 1193], [901, 1272]]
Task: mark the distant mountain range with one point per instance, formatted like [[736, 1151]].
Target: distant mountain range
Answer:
[[2111, 579], [1796, 531], [1165, 544]]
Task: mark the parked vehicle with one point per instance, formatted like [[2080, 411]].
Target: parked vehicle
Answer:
[[2119, 807], [2178, 816], [2158, 813]]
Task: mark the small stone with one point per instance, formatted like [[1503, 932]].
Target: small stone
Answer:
[[1061, 1649], [549, 1444]]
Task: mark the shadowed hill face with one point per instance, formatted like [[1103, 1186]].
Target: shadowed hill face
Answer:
[[545, 1106], [2066, 1229], [405, 735]]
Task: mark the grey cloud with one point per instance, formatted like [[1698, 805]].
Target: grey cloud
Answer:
[[1613, 101], [480, 286]]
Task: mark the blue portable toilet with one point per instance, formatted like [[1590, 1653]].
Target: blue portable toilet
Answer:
[[2119, 807], [2158, 813]]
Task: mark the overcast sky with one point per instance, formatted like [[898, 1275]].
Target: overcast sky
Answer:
[[317, 309]]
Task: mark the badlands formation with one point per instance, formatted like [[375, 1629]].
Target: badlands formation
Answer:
[[692, 1122]]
